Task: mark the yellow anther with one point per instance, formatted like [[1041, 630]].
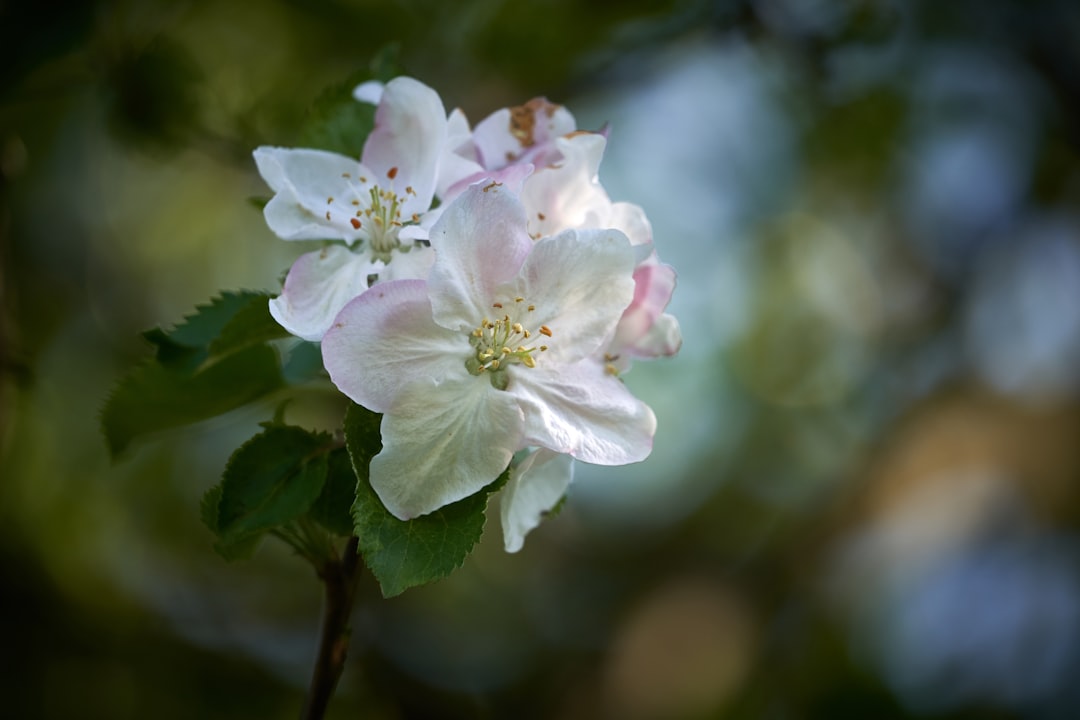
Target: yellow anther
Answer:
[[517, 328], [543, 348], [531, 308], [528, 361], [545, 330]]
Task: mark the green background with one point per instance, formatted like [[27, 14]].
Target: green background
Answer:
[[863, 498]]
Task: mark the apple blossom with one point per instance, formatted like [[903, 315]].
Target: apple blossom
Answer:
[[493, 353], [380, 207]]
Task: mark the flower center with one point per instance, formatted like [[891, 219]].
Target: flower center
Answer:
[[384, 214], [379, 212], [503, 342]]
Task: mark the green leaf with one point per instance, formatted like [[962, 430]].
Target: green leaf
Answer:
[[271, 480], [242, 317], [337, 121], [202, 327], [152, 397], [405, 553], [333, 508], [208, 508], [304, 364], [239, 550], [250, 325]]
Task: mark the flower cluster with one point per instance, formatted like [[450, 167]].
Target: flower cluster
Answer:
[[485, 295]]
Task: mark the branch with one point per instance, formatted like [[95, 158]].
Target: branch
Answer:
[[339, 577]]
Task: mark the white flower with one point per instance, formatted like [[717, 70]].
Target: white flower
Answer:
[[568, 194], [379, 206], [492, 354]]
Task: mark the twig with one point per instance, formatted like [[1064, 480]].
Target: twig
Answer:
[[339, 576]]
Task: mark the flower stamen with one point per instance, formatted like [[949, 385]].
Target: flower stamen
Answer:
[[501, 343]]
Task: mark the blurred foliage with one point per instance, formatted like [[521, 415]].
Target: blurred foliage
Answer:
[[863, 498]]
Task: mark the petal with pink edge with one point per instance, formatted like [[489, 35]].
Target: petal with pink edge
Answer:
[[384, 339], [479, 243], [318, 285]]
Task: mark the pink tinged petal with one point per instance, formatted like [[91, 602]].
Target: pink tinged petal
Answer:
[[654, 284], [663, 339], [536, 485], [314, 196], [384, 340], [409, 137], [443, 442], [479, 243], [370, 92], [580, 282], [516, 134], [318, 285], [583, 411], [512, 177], [459, 159]]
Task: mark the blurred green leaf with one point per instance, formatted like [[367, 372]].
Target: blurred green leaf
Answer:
[[272, 479], [152, 94], [337, 121], [340, 123], [333, 508], [152, 397], [214, 361], [405, 553]]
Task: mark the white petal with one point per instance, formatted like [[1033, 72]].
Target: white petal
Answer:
[[385, 339], [314, 193], [459, 160], [479, 242], [369, 92], [580, 282], [582, 411], [568, 195], [631, 219], [412, 265], [318, 285], [536, 485], [443, 442], [408, 140]]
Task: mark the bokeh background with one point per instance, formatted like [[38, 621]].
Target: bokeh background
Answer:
[[863, 501]]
